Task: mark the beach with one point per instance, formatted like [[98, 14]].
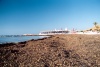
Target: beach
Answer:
[[72, 50]]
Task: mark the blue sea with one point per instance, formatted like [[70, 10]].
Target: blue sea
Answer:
[[17, 38]]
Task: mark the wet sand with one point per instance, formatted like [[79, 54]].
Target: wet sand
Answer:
[[71, 50]]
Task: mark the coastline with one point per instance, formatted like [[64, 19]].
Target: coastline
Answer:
[[14, 43], [6, 39], [57, 50]]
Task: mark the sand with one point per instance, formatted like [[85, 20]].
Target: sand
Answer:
[[71, 50]]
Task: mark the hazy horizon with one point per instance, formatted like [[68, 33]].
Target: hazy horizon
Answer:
[[33, 16]]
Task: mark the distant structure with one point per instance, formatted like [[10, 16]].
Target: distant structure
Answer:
[[93, 30], [53, 32], [28, 34]]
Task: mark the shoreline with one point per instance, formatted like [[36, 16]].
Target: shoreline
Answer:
[[39, 37], [14, 43], [49, 36]]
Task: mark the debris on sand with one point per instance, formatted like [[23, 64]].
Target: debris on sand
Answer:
[[56, 51]]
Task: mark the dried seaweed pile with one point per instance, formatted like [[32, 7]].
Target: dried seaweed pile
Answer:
[[57, 51]]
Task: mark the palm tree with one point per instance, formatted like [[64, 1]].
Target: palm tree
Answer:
[[95, 24]]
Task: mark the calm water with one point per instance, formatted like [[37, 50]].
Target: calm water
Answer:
[[17, 39]]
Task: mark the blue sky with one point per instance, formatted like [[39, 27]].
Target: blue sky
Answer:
[[33, 16]]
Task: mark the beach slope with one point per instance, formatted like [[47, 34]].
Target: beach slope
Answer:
[[55, 51]]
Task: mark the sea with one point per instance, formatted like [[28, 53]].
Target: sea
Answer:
[[17, 38]]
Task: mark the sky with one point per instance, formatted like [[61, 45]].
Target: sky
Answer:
[[33, 16]]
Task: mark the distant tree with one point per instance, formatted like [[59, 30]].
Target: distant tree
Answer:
[[99, 30], [90, 29], [81, 31], [95, 24]]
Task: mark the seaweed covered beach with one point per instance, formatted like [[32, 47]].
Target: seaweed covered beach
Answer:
[[71, 50]]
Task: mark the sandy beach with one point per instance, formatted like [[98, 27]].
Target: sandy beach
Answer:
[[73, 50]]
